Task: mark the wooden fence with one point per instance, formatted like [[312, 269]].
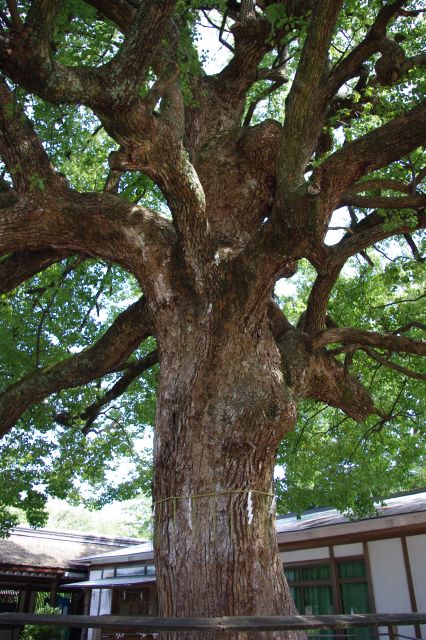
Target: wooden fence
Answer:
[[219, 625]]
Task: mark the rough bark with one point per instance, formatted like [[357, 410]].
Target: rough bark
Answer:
[[218, 427]]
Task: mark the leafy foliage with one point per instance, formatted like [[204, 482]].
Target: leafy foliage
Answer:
[[44, 632], [330, 459]]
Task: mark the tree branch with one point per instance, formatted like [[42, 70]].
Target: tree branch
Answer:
[[316, 309], [29, 61], [414, 249], [22, 152], [393, 365], [371, 229], [98, 225], [387, 341], [349, 67], [122, 12], [361, 235], [40, 24], [130, 374], [21, 265], [26, 58], [372, 151], [380, 183], [264, 94], [14, 14], [130, 65], [107, 355], [417, 201], [319, 376], [306, 104], [251, 44], [414, 324]]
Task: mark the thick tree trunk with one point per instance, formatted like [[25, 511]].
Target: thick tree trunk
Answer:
[[222, 410]]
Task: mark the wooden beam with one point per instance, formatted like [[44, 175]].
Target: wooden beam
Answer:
[[237, 623], [347, 537]]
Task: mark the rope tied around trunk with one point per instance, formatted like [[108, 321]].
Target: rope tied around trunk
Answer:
[[213, 495]]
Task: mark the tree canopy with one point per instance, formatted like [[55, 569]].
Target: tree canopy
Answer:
[[113, 138]]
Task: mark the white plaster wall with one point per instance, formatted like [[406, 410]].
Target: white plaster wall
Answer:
[[389, 579], [105, 603], [93, 634], [388, 576], [108, 573], [304, 555], [416, 546], [94, 602], [95, 575], [343, 550]]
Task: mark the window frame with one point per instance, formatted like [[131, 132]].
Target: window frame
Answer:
[[334, 581]]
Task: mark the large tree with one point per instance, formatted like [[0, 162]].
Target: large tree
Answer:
[[206, 201]]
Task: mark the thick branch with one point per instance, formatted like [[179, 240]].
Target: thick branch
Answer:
[[22, 151], [179, 182], [387, 341], [14, 14], [371, 229], [107, 355], [132, 62], [372, 151], [384, 202], [121, 12], [316, 310], [99, 225], [389, 184], [322, 378], [251, 44], [29, 61], [26, 58], [21, 265], [40, 24], [306, 106]]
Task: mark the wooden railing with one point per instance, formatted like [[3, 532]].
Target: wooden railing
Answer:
[[223, 625]]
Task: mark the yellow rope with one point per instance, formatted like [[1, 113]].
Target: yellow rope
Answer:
[[213, 495]]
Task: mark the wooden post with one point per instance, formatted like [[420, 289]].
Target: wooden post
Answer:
[[393, 632], [53, 592]]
